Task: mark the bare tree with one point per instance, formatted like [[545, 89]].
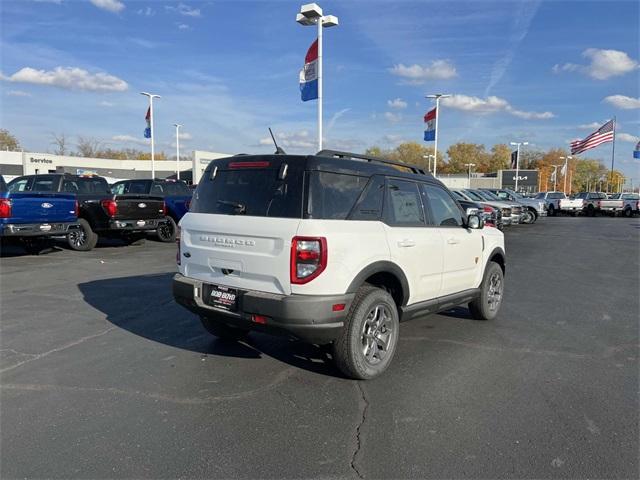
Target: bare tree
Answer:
[[61, 142], [88, 147]]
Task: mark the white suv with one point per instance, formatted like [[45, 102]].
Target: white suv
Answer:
[[334, 248]]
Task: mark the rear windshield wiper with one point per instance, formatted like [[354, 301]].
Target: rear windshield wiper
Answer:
[[239, 207]]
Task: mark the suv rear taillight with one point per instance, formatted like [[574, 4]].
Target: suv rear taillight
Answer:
[[5, 208], [110, 206], [77, 209], [308, 258]]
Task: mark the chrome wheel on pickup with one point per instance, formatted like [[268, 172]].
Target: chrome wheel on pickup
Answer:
[[369, 338], [82, 239]]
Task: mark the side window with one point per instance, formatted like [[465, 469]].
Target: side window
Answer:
[[370, 205], [118, 188], [403, 205], [19, 185], [69, 186], [502, 195], [444, 211], [332, 195]]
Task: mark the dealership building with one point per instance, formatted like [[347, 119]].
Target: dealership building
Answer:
[[527, 180], [14, 164]]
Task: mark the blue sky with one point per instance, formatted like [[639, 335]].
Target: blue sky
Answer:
[[542, 72]]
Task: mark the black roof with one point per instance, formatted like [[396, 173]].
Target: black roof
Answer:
[[334, 161]]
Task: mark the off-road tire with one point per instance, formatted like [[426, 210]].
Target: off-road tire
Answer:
[[373, 314], [82, 239], [222, 330], [167, 231], [483, 307]]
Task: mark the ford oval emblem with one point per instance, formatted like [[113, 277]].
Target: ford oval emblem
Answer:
[[142, 205], [46, 205]]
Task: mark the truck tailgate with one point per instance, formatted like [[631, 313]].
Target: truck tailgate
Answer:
[[28, 207], [138, 207]]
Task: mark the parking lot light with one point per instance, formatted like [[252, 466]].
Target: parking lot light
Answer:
[[311, 14], [469, 165], [177, 125]]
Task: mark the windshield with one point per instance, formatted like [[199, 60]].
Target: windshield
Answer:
[[474, 195]]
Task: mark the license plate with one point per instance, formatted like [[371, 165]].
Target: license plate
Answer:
[[220, 297], [45, 227], [141, 223]]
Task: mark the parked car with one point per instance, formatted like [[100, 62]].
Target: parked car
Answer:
[[509, 217], [631, 203], [537, 207], [30, 217], [100, 212], [333, 248], [551, 200], [492, 215], [175, 193], [517, 209], [572, 205]]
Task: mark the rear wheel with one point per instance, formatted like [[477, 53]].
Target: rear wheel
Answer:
[[552, 210], [83, 238], [591, 212], [222, 330], [167, 230], [487, 305], [369, 338], [628, 212]]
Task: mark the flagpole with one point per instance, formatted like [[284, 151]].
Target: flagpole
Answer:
[[319, 22], [153, 157], [613, 148], [437, 97]]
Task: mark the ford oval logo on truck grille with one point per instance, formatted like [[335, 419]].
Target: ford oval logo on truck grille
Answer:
[[46, 205], [142, 205]]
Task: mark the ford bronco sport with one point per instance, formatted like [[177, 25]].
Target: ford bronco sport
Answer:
[[333, 248]]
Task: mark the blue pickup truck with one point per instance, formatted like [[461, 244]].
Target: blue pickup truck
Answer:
[[30, 217], [176, 195]]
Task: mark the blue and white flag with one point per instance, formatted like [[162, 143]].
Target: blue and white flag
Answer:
[[309, 74], [147, 131], [636, 152], [430, 126]]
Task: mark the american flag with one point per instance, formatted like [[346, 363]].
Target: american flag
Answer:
[[604, 134]]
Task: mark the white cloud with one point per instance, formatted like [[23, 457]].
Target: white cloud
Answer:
[[419, 74], [623, 102], [183, 9], [301, 139], [18, 93], [590, 126], [392, 139], [72, 78], [627, 137], [491, 104], [130, 139], [183, 26], [185, 136], [113, 6], [336, 116], [604, 64], [397, 103], [104, 103], [392, 117], [147, 12]]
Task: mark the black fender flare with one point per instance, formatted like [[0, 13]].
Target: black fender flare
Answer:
[[499, 251], [382, 266]]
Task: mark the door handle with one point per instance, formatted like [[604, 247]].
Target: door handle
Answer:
[[406, 243], [453, 241]]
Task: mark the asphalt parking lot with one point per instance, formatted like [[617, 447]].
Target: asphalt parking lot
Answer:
[[103, 376]]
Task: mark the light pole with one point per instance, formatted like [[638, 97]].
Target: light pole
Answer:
[[566, 166], [469, 165], [429, 157], [177, 125], [518, 160], [153, 156], [555, 175], [311, 14], [437, 97]]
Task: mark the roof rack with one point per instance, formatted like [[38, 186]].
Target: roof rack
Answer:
[[370, 158]]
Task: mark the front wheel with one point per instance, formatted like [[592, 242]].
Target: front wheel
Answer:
[[83, 238], [628, 212], [552, 211], [487, 305], [529, 217], [369, 338], [167, 231]]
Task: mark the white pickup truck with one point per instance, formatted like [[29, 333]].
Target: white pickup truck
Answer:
[[630, 203]]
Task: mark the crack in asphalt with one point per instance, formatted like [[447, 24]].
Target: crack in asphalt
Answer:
[[364, 407]]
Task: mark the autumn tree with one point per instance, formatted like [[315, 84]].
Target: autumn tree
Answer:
[[462, 153], [500, 159], [8, 141]]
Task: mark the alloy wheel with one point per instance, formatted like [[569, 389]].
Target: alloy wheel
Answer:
[[494, 296], [377, 334]]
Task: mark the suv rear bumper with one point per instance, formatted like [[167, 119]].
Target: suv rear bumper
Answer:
[[307, 317], [43, 229], [136, 225]]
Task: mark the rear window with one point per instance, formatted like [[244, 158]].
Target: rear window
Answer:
[[333, 195], [139, 186], [44, 184], [176, 188], [257, 192]]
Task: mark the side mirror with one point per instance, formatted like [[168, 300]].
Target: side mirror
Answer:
[[474, 222]]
